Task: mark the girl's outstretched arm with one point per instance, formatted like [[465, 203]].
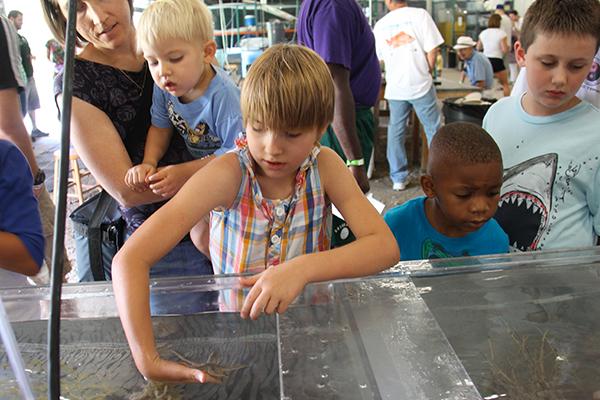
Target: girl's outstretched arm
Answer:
[[374, 249], [151, 241]]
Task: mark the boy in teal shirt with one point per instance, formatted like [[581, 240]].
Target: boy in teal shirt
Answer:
[[462, 187], [548, 137]]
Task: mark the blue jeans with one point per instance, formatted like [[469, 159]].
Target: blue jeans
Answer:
[[184, 259], [428, 113]]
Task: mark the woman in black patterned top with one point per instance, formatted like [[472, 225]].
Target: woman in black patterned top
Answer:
[[112, 95]]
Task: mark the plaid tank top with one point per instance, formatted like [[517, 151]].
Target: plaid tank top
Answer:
[[256, 233]]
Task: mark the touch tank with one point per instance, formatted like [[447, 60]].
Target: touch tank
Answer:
[[519, 326], [371, 338], [524, 326]]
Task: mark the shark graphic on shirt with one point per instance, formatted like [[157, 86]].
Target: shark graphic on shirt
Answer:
[[526, 201]]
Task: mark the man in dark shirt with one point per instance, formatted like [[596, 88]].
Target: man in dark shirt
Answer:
[[339, 32], [30, 100]]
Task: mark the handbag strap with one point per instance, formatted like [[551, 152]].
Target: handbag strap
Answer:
[[105, 201]]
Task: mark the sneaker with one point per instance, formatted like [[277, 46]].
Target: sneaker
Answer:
[[398, 186], [36, 133]]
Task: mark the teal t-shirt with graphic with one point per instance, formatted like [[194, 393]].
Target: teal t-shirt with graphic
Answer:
[[419, 240]]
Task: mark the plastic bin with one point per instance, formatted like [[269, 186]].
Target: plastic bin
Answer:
[[455, 112], [275, 32], [248, 57], [249, 20]]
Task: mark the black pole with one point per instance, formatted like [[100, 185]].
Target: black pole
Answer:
[[61, 208]]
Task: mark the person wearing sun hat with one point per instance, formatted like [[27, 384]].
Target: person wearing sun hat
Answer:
[[477, 66]]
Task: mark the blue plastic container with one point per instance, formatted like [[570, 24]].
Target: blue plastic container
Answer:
[[249, 20], [248, 57]]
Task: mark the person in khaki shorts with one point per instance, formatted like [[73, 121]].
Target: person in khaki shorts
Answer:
[[13, 129], [30, 100]]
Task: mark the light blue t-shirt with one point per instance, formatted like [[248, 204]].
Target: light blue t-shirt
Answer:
[[551, 192], [478, 69], [418, 240], [209, 124]]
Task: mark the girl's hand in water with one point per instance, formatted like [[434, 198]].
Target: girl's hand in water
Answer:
[[163, 370]]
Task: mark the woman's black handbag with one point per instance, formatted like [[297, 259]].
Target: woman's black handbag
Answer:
[[99, 233]]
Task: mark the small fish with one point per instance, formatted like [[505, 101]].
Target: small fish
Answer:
[[157, 391]]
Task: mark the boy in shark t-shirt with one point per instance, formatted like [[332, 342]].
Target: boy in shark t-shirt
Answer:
[[548, 137]]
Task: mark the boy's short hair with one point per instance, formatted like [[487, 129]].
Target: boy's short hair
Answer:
[[567, 17], [288, 87], [188, 20], [463, 143]]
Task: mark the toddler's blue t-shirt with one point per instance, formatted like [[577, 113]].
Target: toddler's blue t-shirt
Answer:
[[419, 240], [209, 124]]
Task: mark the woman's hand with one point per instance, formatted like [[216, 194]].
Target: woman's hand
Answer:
[[136, 177], [273, 290], [168, 180]]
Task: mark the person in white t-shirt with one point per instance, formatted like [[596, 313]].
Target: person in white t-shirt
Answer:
[[494, 43], [505, 22], [407, 42]]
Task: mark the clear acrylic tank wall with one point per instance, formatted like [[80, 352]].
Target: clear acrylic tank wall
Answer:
[[512, 327], [360, 339]]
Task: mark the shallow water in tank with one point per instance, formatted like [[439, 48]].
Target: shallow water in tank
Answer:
[[362, 339], [96, 362], [523, 333]]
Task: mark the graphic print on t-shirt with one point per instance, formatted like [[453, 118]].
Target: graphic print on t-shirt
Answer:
[[433, 250], [526, 201], [399, 40], [198, 138]]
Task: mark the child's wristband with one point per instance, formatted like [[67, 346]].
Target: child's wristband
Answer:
[[355, 163]]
